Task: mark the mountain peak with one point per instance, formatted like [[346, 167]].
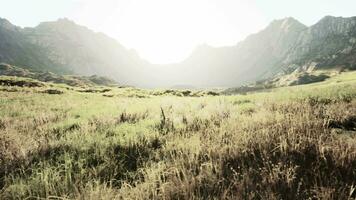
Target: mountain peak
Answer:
[[4, 23], [287, 24], [3, 20], [327, 19], [60, 23], [333, 20], [287, 20]]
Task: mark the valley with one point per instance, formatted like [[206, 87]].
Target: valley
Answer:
[[272, 116]]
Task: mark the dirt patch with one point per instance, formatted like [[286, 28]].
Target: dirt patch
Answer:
[[95, 90], [108, 95], [52, 91], [211, 93], [308, 78], [9, 90], [348, 123], [21, 83]]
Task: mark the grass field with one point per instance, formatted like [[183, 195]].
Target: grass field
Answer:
[[124, 143]]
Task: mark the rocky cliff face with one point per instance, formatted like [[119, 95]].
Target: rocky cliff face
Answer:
[[329, 43]]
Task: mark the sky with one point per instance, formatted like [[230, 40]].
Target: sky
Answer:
[[167, 31]]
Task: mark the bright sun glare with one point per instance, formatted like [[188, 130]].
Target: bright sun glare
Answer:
[[166, 31]]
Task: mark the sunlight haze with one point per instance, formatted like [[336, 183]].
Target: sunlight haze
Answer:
[[167, 31]]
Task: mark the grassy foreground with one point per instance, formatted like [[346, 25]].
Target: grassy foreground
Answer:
[[123, 143]]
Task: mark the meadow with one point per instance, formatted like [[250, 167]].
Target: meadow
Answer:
[[126, 143]]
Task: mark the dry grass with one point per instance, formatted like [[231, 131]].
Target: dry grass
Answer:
[[292, 143]]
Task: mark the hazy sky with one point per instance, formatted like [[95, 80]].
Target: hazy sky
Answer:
[[164, 31]]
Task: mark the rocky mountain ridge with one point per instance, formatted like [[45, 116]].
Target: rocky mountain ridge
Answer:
[[284, 46]]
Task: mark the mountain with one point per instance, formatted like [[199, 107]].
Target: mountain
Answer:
[[329, 43], [16, 50], [66, 48], [248, 60], [281, 48], [284, 46]]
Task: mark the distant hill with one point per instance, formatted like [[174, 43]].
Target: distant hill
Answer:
[[283, 47]]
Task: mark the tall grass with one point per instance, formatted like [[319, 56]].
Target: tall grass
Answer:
[[291, 143]]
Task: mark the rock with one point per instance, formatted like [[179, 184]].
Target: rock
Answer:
[[52, 91], [20, 83]]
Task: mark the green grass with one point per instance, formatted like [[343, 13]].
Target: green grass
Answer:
[[289, 143]]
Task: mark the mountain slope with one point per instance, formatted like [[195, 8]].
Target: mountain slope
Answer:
[[329, 43], [15, 49], [65, 47], [284, 46]]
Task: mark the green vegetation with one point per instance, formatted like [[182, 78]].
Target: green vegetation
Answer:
[[126, 143], [298, 77]]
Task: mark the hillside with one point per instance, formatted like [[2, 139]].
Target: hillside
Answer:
[[64, 47]]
